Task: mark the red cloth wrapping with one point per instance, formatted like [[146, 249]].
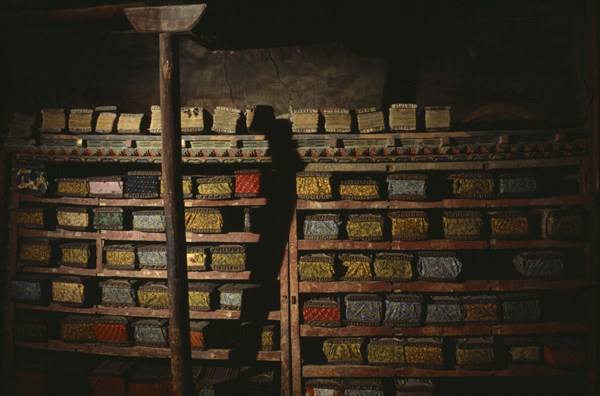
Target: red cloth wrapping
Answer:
[[197, 339], [112, 333], [247, 184], [321, 314]]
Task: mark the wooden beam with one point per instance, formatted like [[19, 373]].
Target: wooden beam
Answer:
[[166, 19]]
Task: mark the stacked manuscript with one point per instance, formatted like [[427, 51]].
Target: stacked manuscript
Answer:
[[305, 120], [225, 119]]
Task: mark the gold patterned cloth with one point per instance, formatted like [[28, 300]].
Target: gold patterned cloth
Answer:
[[35, 251], [203, 220], [343, 350], [72, 218], [509, 225], [563, 224], [523, 349], [77, 328], [475, 352], [463, 225], [360, 190], [409, 225], [202, 296], [153, 295], [267, 337], [69, 290], [119, 257], [481, 309], [72, 187], [473, 185], [76, 254], [424, 353], [30, 217], [386, 351], [358, 267], [393, 267], [228, 258], [197, 258], [316, 267], [365, 227], [186, 183], [403, 117], [313, 185], [214, 187]]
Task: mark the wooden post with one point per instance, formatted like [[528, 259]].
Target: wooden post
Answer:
[[167, 21]]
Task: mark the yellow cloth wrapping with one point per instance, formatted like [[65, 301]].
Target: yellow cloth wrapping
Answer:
[[267, 339], [315, 270], [79, 188], [409, 228], [196, 260], [424, 356], [77, 331], [30, 218], [35, 252], [392, 268], [203, 222], [357, 269], [120, 257], [186, 182], [463, 227], [365, 230], [509, 227], [66, 292], [473, 186], [75, 255], [474, 357], [153, 299], [308, 187], [72, 219], [342, 352], [359, 191], [530, 353], [229, 259], [480, 312], [215, 189], [199, 300], [385, 354]]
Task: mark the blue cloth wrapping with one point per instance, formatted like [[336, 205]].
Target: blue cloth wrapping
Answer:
[[444, 310], [516, 186], [27, 290], [363, 309], [407, 189], [321, 227], [403, 310], [150, 333], [525, 307], [440, 266], [541, 264]]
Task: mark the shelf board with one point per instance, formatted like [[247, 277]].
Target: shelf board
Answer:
[[533, 370], [268, 356], [162, 274], [346, 287], [574, 200], [134, 351], [437, 244], [158, 202], [274, 315], [62, 270], [131, 311], [465, 330]]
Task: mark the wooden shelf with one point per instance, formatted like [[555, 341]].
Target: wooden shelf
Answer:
[[60, 270], [158, 202], [465, 330], [158, 274], [567, 200], [437, 244], [533, 370], [274, 315], [268, 356], [134, 351], [440, 287], [131, 311]]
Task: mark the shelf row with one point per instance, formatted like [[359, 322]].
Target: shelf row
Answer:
[[153, 202], [142, 273]]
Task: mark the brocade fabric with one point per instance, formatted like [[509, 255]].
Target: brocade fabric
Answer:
[[409, 226], [313, 185], [363, 309], [321, 227], [438, 266], [539, 264], [149, 221], [386, 351], [343, 350], [394, 267], [30, 180]]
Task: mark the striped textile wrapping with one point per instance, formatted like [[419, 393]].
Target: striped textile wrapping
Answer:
[[214, 187], [407, 186], [322, 386], [517, 186], [359, 190], [481, 309], [110, 378], [202, 296], [35, 218], [149, 220], [105, 119], [441, 266], [247, 183], [409, 225], [71, 290], [542, 264], [31, 288], [53, 120], [203, 220], [152, 256], [344, 350], [386, 352], [149, 380], [38, 252], [316, 267], [363, 309], [226, 120], [313, 185], [322, 312], [142, 184], [119, 257], [228, 258], [393, 267], [563, 224], [437, 118], [186, 184], [80, 120], [305, 120], [520, 307], [427, 352], [370, 120], [153, 295], [200, 334], [268, 337], [363, 387], [404, 310], [337, 120], [129, 122], [30, 178], [564, 351], [444, 311], [106, 186], [365, 227], [414, 387], [77, 254], [108, 218], [403, 117], [358, 267], [463, 225], [197, 258], [523, 349], [112, 330], [119, 292], [509, 225], [322, 226], [72, 218], [35, 326], [262, 384], [151, 332], [192, 119], [475, 353], [234, 295], [78, 329], [72, 187], [473, 185]]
